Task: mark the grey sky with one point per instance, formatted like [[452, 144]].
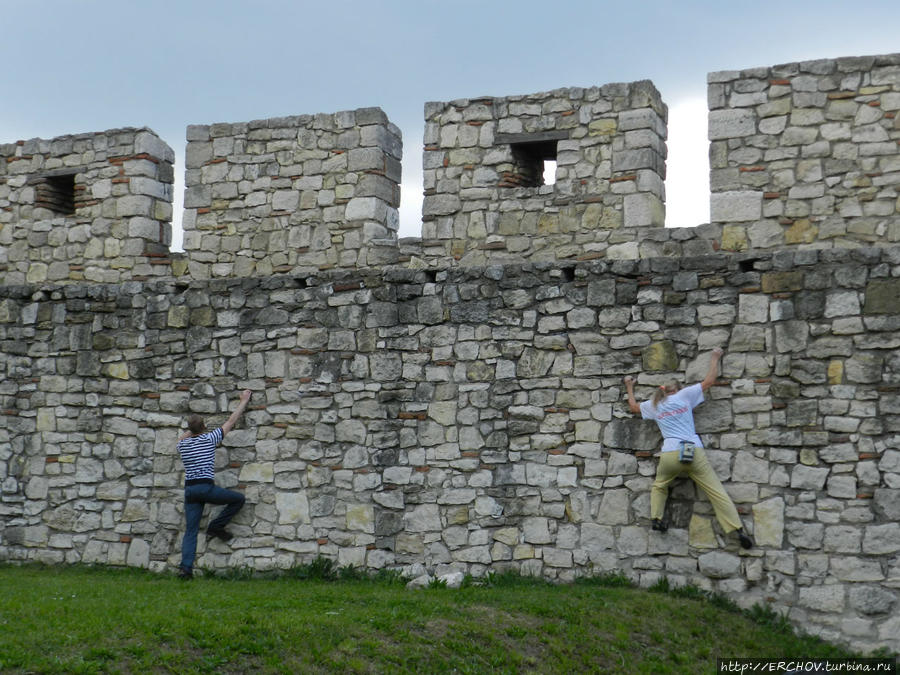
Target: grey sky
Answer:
[[88, 65]]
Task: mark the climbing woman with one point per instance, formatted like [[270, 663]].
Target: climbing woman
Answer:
[[682, 450]]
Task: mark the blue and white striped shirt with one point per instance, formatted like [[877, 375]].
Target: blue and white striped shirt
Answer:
[[198, 453]]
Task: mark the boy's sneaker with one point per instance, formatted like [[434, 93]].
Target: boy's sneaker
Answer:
[[746, 541], [659, 525], [185, 573], [222, 534]]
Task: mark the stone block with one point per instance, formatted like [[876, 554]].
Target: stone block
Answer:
[[881, 539], [257, 472], [644, 210], [660, 356], [719, 564], [768, 522], [736, 206], [726, 124], [882, 296], [829, 598]]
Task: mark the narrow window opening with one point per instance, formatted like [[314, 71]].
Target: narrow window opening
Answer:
[[530, 162], [56, 193], [549, 172]]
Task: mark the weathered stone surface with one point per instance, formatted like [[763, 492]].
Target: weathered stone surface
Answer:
[[660, 356], [768, 520], [718, 564]]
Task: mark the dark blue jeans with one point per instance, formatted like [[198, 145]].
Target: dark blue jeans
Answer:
[[195, 496]]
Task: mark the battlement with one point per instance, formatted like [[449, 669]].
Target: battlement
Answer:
[[290, 194], [484, 193], [801, 155], [806, 154], [87, 207]]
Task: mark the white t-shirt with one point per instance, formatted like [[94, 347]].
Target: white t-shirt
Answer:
[[674, 416]]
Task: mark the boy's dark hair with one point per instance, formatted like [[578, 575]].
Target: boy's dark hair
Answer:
[[196, 425]]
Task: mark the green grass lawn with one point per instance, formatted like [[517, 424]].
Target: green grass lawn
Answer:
[[95, 620]]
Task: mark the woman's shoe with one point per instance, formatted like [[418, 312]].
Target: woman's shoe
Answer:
[[659, 525]]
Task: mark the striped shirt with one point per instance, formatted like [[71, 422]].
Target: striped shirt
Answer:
[[198, 453]]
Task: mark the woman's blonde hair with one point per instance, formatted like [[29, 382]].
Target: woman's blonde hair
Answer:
[[664, 390]]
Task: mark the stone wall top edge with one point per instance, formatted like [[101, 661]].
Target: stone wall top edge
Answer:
[[573, 91], [811, 66], [371, 115], [81, 136], [389, 274]]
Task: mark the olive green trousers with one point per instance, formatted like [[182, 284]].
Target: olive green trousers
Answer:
[[701, 472]]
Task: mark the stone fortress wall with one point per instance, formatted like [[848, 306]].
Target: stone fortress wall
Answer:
[[454, 403]]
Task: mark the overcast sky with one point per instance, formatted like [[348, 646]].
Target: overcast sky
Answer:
[[73, 66]]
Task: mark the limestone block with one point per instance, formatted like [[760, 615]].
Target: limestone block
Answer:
[[350, 431], [138, 553], [866, 368], [440, 205], [842, 539], [791, 336], [644, 209], [842, 487], [822, 598], [596, 537], [134, 205], [423, 518], [536, 531], [88, 470], [808, 477], [94, 552], [731, 123], [841, 303], [881, 539], [36, 488], [886, 503], [292, 507], [555, 557], [736, 206], [719, 564], [701, 534], [614, 508], [660, 356], [112, 491], [882, 296], [257, 472], [871, 600], [620, 463], [851, 568], [805, 535], [890, 461], [753, 308], [750, 469], [633, 541], [285, 200], [361, 517], [627, 251], [747, 339], [135, 510], [378, 559], [716, 315]]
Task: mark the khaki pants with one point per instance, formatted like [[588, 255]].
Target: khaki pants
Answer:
[[701, 472]]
